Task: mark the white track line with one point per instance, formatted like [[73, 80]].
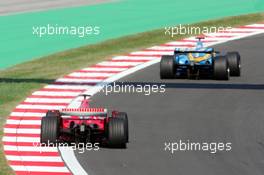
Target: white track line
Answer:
[[71, 161]]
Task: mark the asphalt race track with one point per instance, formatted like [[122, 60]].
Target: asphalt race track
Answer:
[[195, 110]]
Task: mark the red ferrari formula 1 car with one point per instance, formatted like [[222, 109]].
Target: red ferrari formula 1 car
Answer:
[[85, 124]]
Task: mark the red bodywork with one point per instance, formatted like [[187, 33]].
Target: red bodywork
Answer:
[[86, 125], [97, 122]]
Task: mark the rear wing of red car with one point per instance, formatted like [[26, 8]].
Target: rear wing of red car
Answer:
[[84, 111]]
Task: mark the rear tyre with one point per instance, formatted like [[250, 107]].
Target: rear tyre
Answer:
[[123, 116], [234, 63], [167, 67], [50, 130], [117, 132], [221, 68]]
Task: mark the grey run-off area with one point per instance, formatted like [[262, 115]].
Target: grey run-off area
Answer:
[[19, 6]]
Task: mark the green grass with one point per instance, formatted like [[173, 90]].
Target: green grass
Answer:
[[127, 17], [18, 82]]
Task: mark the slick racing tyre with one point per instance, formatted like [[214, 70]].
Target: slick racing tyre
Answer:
[[167, 67], [117, 132], [221, 68], [50, 130], [123, 116], [234, 63]]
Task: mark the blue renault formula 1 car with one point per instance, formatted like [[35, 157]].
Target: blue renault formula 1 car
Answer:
[[200, 62]]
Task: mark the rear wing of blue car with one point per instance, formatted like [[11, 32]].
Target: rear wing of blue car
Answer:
[[194, 51]]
